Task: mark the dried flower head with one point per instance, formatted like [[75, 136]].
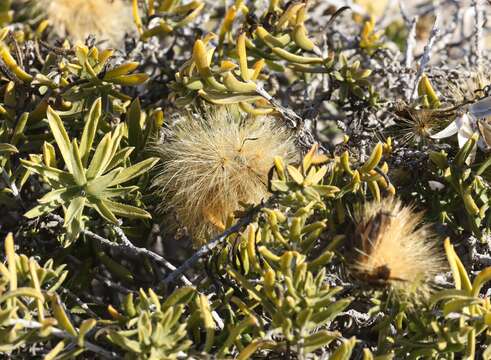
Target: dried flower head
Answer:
[[470, 86], [108, 20], [416, 126], [394, 249], [214, 161]]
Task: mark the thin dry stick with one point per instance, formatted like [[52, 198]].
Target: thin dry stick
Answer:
[[127, 247], [107, 282], [305, 138], [290, 115], [207, 248], [425, 59], [157, 258], [411, 43], [478, 29], [79, 301], [18, 53]]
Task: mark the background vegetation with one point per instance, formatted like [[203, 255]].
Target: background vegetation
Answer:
[[244, 179]]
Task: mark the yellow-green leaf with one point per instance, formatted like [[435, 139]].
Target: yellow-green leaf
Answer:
[[22, 291], [8, 148], [104, 211], [55, 351], [90, 130], [41, 210], [78, 170], [60, 135], [61, 316], [135, 133], [130, 80], [126, 210], [74, 209], [98, 185], [295, 174], [120, 70], [481, 278], [51, 173], [134, 171], [101, 157], [10, 254]]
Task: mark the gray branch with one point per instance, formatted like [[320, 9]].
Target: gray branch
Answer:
[[127, 247], [425, 59], [208, 248], [478, 30]]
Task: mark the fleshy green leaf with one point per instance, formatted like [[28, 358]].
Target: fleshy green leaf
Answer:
[[8, 148], [120, 157], [135, 171], [101, 157], [125, 343], [60, 135], [135, 133], [104, 211], [90, 130], [97, 186], [77, 167], [51, 173], [85, 327], [52, 196], [41, 210], [126, 210], [75, 209], [19, 129]]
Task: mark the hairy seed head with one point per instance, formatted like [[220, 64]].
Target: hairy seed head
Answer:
[[108, 20], [394, 249], [213, 162]]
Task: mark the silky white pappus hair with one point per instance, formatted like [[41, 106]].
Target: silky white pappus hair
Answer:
[[214, 161], [108, 20]]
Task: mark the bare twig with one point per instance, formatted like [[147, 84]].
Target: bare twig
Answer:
[[403, 12], [484, 260], [56, 50], [123, 236], [150, 254], [18, 53], [127, 248], [207, 248], [411, 43], [362, 319], [305, 138], [79, 301], [478, 30], [107, 282], [425, 59], [287, 113]]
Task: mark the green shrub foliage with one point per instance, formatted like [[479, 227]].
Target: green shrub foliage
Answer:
[[389, 148]]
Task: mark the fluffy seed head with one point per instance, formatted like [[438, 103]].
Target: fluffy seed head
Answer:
[[108, 20], [213, 161], [394, 249]]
